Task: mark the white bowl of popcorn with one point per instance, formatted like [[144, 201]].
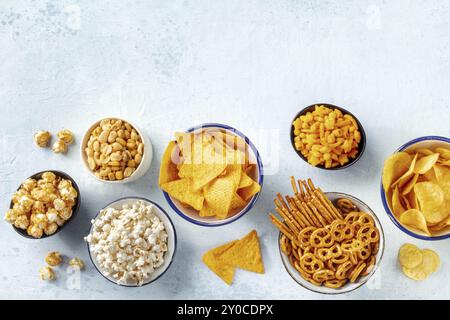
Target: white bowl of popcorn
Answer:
[[44, 204], [132, 242], [116, 151]]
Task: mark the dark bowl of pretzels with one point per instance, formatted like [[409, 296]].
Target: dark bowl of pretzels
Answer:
[[329, 242]]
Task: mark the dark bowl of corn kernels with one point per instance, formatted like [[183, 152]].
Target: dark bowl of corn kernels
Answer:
[[327, 136]]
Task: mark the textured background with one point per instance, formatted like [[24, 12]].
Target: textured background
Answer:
[[169, 65]]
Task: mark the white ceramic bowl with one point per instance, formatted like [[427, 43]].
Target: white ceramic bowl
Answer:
[[172, 239], [192, 215], [333, 196], [143, 167], [429, 142]]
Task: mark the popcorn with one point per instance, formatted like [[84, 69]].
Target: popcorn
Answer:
[[59, 147], [47, 274], [42, 138], [53, 259], [119, 243], [77, 263], [41, 206], [67, 136]]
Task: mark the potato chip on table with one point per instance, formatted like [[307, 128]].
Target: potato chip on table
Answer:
[[418, 264], [209, 171], [416, 184]]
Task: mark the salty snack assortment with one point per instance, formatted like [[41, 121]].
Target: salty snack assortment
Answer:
[[114, 150], [418, 264], [416, 184], [42, 205], [129, 244], [213, 173], [329, 245], [243, 254], [209, 172], [327, 137]]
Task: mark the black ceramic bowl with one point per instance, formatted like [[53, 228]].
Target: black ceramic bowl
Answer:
[[361, 147], [75, 208]]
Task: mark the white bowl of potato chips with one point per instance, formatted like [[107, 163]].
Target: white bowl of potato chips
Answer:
[[415, 188], [211, 175]]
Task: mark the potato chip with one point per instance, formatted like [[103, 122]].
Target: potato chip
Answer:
[[424, 151], [431, 201], [168, 171], [397, 206], [429, 265], [410, 256], [443, 179], [426, 163], [410, 184], [407, 175], [415, 219], [412, 200], [444, 153], [394, 167], [246, 254], [249, 192], [214, 262], [183, 191], [431, 261]]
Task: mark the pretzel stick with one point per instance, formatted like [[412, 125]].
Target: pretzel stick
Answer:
[[311, 185], [297, 205], [280, 198], [297, 214], [317, 221], [288, 221], [301, 206], [323, 211], [283, 229], [327, 203], [314, 210], [294, 185]]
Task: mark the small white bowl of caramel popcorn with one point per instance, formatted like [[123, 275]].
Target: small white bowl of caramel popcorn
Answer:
[[116, 151], [44, 204]]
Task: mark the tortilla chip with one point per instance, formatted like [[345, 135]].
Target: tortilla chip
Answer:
[[249, 192], [206, 211], [213, 261], [168, 171], [219, 195], [183, 191], [237, 202], [245, 182], [245, 254]]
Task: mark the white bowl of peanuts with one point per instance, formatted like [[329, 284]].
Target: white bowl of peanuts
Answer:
[[116, 151]]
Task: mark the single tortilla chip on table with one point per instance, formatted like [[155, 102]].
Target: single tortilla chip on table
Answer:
[[246, 254], [213, 260]]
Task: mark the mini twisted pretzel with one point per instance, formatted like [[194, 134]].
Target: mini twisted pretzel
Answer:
[[354, 275], [336, 250], [354, 257], [335, 283], [310, 264], [305, 235], [353, 216], [352, 245], [375, 248], [341, 230], [365, 252], [366, 218], [368, 234], [323, 275], [321, 238], [369, 267], [343, 270], [346, 206], [341, 259], [286, 246], [324, 254], [331, 266]]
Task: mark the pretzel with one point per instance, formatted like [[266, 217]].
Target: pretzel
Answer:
[[328, 245]]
